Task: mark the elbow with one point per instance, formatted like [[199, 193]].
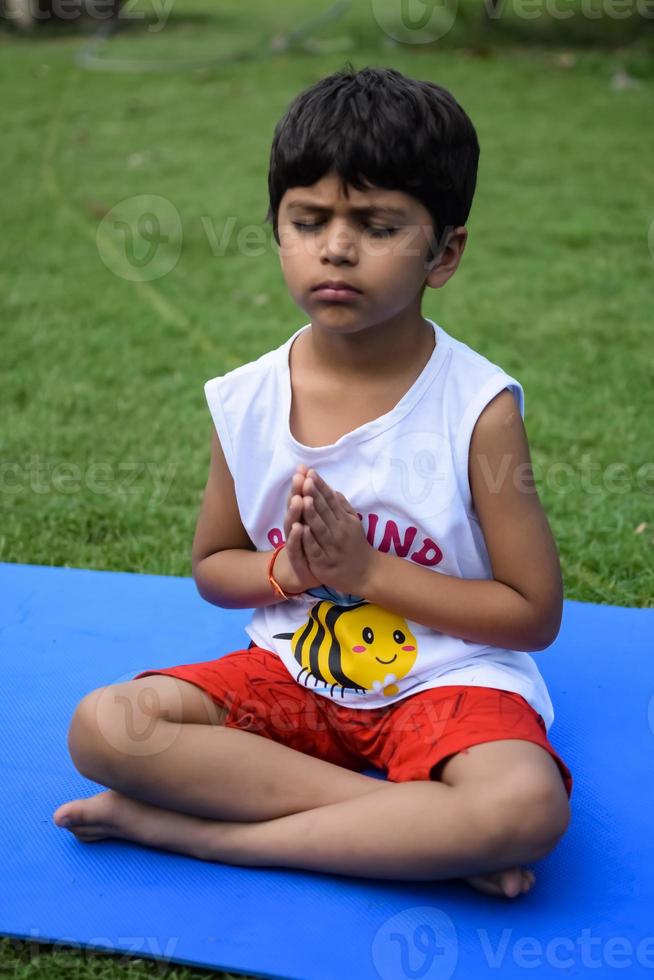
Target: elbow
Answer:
[[532, 645], [547, 631], [206, 584], [196, 572], [201, 591], [536, 648]]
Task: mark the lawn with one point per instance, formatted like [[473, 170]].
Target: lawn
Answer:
[[105, 442]]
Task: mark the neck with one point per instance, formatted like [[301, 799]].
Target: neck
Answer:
[[383, 350]]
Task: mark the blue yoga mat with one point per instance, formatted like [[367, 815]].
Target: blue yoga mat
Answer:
[[66, 631]]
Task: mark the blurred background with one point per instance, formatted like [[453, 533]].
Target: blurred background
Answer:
[[137, 263]]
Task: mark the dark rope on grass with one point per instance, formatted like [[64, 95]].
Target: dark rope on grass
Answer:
[[89, 56]]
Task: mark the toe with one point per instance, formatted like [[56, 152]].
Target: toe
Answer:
[[485, 883], [512, 882], [528, 879], [67, 815], [93, 832], [509, 883]]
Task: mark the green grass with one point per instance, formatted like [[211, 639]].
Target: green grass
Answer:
[[43, 961], [555, 284]]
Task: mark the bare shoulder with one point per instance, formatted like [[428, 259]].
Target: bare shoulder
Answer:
[[519, 540], [499, 452]]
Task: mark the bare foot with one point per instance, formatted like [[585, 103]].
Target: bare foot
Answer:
[[107, 814], [110, 814], [509, 882]]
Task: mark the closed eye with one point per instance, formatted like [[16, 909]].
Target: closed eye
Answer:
[[372, 230]]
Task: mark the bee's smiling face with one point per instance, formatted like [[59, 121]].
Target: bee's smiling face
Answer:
[[372, 641]]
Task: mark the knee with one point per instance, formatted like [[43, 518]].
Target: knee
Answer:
[[532, 814], [85, 741], [113, 728], [98, 738]]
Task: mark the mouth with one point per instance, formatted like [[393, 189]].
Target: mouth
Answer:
[[336, 291]]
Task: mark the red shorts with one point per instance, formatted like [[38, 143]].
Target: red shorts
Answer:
[[407, 739]]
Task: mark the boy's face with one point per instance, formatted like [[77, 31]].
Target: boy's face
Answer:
[[323, 235]]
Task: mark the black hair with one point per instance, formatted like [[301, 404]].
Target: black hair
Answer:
[[378, 127]]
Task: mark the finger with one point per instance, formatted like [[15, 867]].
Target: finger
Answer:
[[298, 477], [288, 522], [296, 555], [300, 537], [312, 491], [315, 521], [293, 513], [295, 507], [325, 491], [297, 481], [345, 504], [315, 505], [311, 545], [300, 557]]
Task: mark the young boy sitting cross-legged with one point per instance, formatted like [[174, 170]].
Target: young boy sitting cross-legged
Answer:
[[370, 495]]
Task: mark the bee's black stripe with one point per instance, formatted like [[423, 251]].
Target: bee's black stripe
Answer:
[[334, 659], [299, 646], [317, 641]]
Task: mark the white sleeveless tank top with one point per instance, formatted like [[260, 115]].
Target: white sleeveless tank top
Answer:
[[406, 475]]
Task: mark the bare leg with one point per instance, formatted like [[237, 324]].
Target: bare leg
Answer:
[[172, 784], [419, 831], [110, 814], [211, 771]]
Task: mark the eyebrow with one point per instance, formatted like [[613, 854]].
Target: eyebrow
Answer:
[[369, 209]]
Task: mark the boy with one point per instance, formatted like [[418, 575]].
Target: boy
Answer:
[[369, 444]]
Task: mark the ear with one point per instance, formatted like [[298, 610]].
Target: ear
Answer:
[[445, 264]]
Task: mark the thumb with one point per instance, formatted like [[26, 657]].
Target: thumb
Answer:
[[296, 555]]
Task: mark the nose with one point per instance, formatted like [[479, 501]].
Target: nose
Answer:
[[339, 243]]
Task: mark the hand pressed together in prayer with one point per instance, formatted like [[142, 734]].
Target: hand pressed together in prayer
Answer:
[[325, 535]]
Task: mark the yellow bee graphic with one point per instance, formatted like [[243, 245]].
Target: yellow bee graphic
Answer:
[[361, 646]]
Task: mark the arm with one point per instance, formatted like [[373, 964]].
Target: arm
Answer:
[[227, 569], [237, 579], [521, 607]]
